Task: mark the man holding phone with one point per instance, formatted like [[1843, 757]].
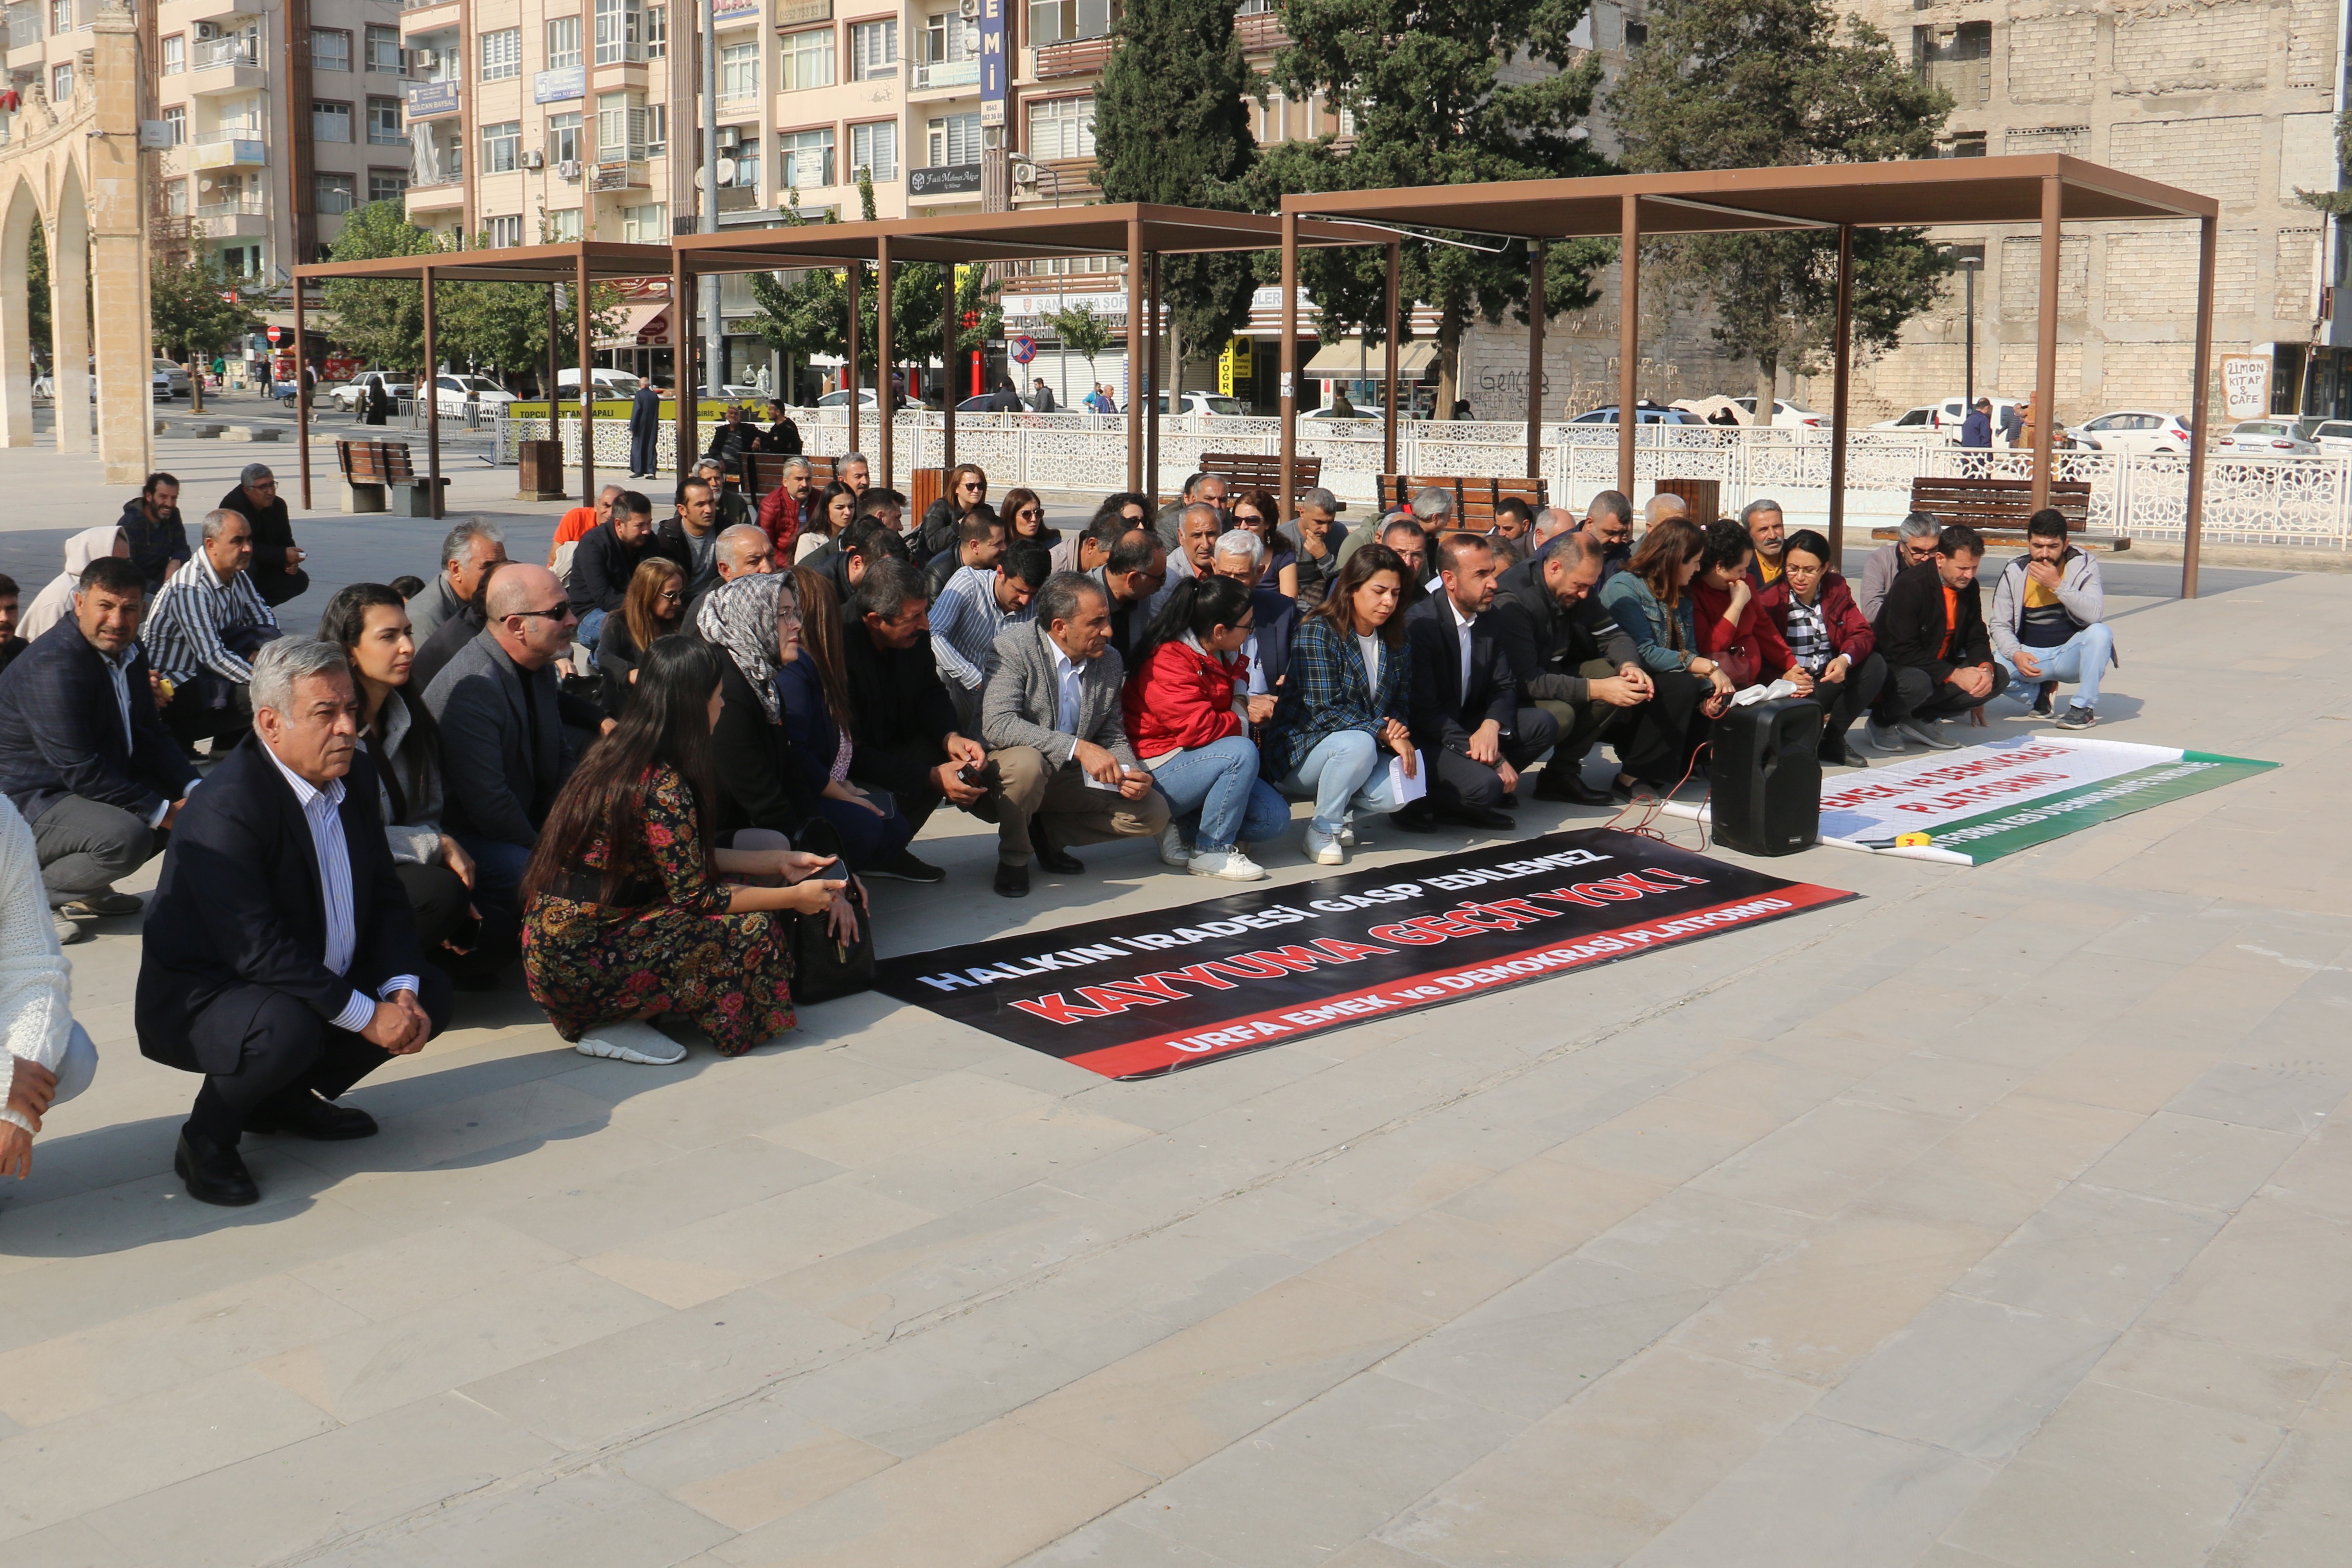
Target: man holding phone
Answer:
[[1052, 721]]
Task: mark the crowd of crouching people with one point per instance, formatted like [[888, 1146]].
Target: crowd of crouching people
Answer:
[[660, 767]]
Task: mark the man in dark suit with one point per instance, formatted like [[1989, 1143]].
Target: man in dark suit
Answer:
[[280, 960], [607, 557], [902, 723], [1571, 659], [1467, 715], [1939, 653], [276, 569], [644, 423], [504, 748], [1240, 555], [83, 752]]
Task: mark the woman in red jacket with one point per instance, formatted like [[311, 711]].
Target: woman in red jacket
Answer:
[[1732, 629], [1830, 640], [1187, 702]]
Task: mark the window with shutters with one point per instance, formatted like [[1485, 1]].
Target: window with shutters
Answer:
[[503, 55], [563, 42], [1062, 127], [873, 147], [502, 147], [954, 139], [805, 158], [807, 60], [874, 49], [620, 128]]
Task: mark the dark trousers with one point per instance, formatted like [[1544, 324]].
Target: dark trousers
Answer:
[[208, 707], [1912, 693], [901, 770], [85, 845], [866, 839], [1845, 700], [277, 587], [283, 1048], [1457, 783], [1654, 739]]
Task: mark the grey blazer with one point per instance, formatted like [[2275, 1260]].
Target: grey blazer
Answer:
[[1023, 699], [494, 783]]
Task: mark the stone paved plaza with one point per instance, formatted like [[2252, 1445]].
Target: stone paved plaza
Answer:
[[1996, 1217]]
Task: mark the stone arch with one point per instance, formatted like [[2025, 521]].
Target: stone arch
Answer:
[[21, 212], [70, 335]]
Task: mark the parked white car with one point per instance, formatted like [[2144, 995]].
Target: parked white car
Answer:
[[1920, 418], [865, 399], [352, 395], [1200, 405], [608, 382], [2265, 438], [452, 393], [170, 380], [1785, 413], [2333, 437], [2132, 431]]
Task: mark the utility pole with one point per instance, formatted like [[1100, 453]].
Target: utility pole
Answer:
[[714, 357]]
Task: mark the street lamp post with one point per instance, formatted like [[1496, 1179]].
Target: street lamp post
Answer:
[[1969, 266]]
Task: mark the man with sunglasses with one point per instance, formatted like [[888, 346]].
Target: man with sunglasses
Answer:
[[505, 750], [277, 569]]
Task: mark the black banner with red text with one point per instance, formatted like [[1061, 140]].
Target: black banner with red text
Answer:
[[1147, 992]]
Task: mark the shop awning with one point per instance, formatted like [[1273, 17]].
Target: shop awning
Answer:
[[643, 326], [1353, 359]]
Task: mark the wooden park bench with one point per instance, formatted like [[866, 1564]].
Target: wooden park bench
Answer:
[[767, 471], [1474, 500], [372, 469], [1998, 509], [1255, 471]]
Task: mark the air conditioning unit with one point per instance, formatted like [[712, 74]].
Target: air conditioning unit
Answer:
[[207, 31], [534, 159], [729, 138], [968, 9], [569, 168], [428, 60], [1025, 174]]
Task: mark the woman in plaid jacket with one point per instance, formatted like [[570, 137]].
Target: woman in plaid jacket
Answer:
[[1343, 703]]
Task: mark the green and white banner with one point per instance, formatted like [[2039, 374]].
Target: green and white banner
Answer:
[[1986, 801]]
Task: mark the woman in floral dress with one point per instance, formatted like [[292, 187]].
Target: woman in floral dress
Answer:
[[626, 917]]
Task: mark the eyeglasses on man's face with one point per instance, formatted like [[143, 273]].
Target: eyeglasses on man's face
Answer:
[[561, 613]]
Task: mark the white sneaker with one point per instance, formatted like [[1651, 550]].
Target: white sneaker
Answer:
[[632, 1041], [1347, 837], [1229, 865], [1172, 848], [1324, 849], [69, 932]]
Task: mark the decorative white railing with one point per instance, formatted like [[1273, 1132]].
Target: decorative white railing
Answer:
[[2290, 501]]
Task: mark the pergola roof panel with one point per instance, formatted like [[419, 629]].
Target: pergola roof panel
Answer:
[[1031, 233], [519, 264]]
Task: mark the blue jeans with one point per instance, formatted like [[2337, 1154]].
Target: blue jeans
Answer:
[[1347, 771], [2082, 657], [591, 623], [1216, 790], [499, 867]]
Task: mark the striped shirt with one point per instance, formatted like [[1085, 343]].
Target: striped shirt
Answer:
[[321, 811], [965, 619], [194, 613]]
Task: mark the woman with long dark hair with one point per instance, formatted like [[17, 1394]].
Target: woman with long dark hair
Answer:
[[655, 607], [1190, 727], [626, 917], [966, 491], [832, 511], [370, 622], [782, 744], [1344, 702], [1651, 599], [1025, 521]]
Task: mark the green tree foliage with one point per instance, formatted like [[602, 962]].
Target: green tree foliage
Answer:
[[36, 292], [807, 312], [380, 321], [1172, 126], [1433, 105], [195, 310], [1081, 333], [1727, 84]]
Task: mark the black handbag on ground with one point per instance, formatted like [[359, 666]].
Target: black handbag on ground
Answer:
[[823, 968]]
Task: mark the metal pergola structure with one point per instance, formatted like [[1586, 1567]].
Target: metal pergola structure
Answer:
[[2045, 189], [1140, 232], [579, 263]]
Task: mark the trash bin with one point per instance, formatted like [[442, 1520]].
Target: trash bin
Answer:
[[541, 471]]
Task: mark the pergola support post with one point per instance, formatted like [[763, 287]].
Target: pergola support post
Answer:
[[1391, 413], [852, 375], [2200, 403], [1134, 358], [1152, 404], [429, 385], [1842, 347], [2045, 344], [882, 352], [1290, 364], [948, 375], [687, 428], [301, 404], [579, 318], [1536, 312], [1629, 336]]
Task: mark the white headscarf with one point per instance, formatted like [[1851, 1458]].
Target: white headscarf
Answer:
[[55, 603]]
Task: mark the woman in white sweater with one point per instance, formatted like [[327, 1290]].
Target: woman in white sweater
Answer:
[[50, 1057]]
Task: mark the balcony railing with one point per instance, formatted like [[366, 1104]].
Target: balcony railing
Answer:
[[1079, 57], [253, 204], [23, 25], [947, 73], [245, 49], [1261, 31]]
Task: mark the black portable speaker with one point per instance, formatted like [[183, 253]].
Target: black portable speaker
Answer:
[[1767, 769]]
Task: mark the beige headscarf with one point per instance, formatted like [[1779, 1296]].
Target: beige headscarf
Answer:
[[55, 603]]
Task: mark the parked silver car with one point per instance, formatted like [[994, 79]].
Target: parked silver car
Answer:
[[2265, 438]]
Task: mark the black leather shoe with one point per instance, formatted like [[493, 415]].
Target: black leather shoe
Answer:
[[903, 867], [1012, 882], [1834, 754], [303, 1114], [1502, 821], [214, 1174], [1569, 787], [1051, 856], [1414, 821]]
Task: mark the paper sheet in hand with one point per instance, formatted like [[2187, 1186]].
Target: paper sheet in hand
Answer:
[[1408, 789]]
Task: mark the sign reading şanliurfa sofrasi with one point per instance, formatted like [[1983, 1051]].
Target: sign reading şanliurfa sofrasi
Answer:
[[1147, 993]]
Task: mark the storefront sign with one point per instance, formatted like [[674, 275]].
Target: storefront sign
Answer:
[[993, 74], [560, 85], [429, 99], [947, 180], [792, 13], [2246, 385]]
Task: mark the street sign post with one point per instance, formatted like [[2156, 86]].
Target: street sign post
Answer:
[[1024, 349]]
